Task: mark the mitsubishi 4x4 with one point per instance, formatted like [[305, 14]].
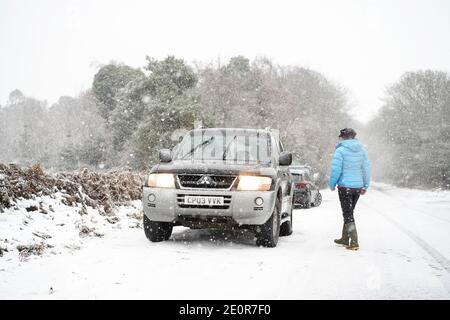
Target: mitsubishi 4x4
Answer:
[[221, 178]]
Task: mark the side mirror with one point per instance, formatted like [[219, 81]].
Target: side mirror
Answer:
[[285, 159], [165, 155]]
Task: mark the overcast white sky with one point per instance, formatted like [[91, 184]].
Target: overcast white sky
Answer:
[[50, 48]]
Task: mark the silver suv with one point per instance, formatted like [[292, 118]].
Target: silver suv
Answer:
[[221, 178]]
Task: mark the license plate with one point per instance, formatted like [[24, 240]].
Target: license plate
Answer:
[[203, 200]]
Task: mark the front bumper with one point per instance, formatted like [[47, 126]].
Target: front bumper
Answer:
[[167, 205]]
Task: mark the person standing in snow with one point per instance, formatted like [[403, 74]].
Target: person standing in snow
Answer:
[[350, 172]]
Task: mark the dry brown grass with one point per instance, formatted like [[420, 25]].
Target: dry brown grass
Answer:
[[103, 190]]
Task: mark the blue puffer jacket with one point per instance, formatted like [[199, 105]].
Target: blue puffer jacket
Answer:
[[350, 166]]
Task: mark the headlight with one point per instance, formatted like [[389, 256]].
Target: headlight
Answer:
[[254, 183], [161, 180]]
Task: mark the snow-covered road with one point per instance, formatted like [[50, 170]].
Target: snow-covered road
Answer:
[[404, 254]]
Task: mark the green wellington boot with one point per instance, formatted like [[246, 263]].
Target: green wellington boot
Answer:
[[353, 237], [343, 241]]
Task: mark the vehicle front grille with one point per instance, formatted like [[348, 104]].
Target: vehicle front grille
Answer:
[[226, 202], [205, 181]]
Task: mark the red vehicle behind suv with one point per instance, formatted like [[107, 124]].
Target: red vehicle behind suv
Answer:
[[306, 192]]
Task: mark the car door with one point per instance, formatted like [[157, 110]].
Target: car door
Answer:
[[286, 180]]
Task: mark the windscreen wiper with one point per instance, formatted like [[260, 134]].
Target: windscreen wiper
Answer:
[[224, 155], [202, 144]]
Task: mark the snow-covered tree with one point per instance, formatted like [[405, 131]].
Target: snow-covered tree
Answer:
[[108, 84], [168, 105], [412, 130]]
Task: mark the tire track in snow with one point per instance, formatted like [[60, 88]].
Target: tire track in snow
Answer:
[[435, 254], [384, 192]]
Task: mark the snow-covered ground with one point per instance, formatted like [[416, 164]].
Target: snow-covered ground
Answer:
[[404, 239]]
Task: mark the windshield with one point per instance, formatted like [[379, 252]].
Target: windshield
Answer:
[[226, 145], [297, 177]]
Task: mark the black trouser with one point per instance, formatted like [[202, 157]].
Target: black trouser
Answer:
[[348, 197]]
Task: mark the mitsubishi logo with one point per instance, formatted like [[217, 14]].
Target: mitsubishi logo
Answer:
[[205, 180]]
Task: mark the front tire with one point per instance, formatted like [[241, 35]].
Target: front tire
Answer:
[[156, 231], [267, 234]]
